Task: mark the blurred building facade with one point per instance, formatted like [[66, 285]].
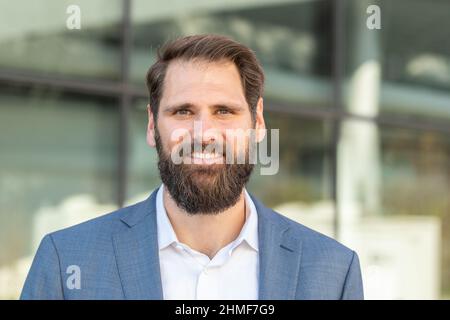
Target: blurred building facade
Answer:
[[364, 119]]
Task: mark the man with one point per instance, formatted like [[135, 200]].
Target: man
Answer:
[[201, 235]]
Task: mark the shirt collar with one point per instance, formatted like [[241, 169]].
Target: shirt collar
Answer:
[[167, 236], [249, 232]]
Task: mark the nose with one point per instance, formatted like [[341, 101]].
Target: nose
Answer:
[[205, 129]]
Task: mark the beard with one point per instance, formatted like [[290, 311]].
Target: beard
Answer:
[[200, 188]]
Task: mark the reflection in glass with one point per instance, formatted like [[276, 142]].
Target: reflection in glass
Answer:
[[58, 168], [403, 68], [301, 189], [394, 208], [143, 175], [34, 36], [291, 39]]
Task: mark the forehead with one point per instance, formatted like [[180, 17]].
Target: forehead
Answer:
[[202, 81]]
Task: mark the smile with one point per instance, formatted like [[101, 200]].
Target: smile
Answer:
[[206, 158], [206, 155]]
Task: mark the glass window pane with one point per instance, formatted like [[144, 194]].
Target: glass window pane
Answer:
[[58, 168], [404, 67], [302, 188], [292, 39], [394, 205], [35, 36], [143, 175]]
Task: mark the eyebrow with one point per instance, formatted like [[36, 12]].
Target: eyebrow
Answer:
[[171, 109], [188, 105]]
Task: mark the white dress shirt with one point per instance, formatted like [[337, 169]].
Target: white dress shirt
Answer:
[[188, 274]]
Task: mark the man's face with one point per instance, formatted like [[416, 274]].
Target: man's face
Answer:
[[205, 104]]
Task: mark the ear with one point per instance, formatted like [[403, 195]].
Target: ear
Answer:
[[150, 128], [260, 125]]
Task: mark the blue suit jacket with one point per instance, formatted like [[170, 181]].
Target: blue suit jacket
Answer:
[[117, 256]]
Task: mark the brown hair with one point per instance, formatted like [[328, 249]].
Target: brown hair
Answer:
[[211, 48]]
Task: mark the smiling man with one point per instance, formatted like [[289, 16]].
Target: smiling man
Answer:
[[200, 235]]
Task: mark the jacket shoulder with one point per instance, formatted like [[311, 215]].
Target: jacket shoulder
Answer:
[[94, 231], [329, 269], [316, 243]]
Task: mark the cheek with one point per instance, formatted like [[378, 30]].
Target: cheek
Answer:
[[236, 125], [172, 135], [237, 141]]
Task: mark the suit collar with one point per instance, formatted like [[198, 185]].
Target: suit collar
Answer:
[[279, 256], [136, 250], [137, 253]]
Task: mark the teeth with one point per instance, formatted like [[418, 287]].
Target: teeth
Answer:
[[201, 155]]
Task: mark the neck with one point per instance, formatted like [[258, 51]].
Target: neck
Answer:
[[206, 233]]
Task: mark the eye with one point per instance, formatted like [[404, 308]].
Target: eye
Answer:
[[223, 111], [183, 112]]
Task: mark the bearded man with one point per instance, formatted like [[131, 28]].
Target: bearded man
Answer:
[[200, 235]]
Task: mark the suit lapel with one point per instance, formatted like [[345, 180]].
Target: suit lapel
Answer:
[[279, 256], [137, 253]]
